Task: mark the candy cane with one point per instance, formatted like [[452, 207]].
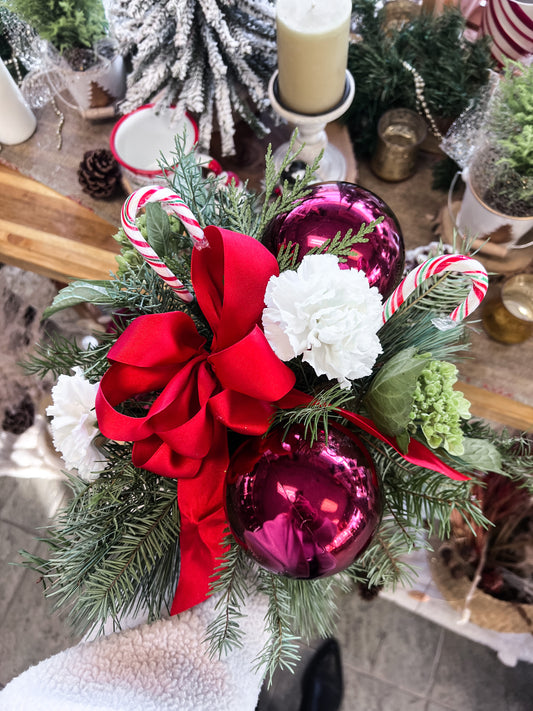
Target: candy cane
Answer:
[[445, 263], [173, 204]]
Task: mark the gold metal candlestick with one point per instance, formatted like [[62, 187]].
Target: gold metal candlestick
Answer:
[[311, 137]]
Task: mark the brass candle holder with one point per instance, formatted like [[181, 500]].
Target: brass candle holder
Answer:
[[311, 137], [400, 133], [508, 318]]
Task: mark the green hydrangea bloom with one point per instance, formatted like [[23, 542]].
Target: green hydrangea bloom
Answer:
[[438, 409]]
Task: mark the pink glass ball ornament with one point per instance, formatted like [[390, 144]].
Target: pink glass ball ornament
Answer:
[[300, 511], [337, 206]]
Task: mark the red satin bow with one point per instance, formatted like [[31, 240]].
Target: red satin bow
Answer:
[[233, 384]]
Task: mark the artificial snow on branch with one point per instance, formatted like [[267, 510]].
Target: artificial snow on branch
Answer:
[[211, 57]]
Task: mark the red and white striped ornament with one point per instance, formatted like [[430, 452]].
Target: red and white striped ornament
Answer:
[[510, 25]]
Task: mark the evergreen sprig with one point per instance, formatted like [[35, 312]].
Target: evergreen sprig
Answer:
[[314, 604], [339, 245], [281, 651], [316, 414], [114, 548], [233, 579], [274, 201], [382, 564]]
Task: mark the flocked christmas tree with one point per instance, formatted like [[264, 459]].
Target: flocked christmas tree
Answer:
[[212, 57]]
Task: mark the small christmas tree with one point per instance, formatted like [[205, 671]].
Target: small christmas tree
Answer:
[[202, 56]]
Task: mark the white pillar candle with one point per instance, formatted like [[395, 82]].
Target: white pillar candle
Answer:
[[17, 122], [312, 38]]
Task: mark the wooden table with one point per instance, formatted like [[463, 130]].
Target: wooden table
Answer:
[[45, 232]]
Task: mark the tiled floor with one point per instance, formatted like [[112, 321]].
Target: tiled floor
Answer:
[[393, 659]]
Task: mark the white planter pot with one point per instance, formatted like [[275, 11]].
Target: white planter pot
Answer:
[[109, 75], [476, 219]]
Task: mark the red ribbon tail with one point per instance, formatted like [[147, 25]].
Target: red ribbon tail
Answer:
[[202, 526], [417, 453], [200, 546]]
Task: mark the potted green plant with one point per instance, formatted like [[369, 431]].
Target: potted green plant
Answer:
[[77, 52], [498, 165]]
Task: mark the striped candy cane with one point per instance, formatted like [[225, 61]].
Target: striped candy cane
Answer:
[[172, 204], [445, 263]]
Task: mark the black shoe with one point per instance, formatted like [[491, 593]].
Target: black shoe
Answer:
[[322, 685]]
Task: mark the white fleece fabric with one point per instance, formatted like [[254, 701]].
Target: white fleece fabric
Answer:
[[163, 666]]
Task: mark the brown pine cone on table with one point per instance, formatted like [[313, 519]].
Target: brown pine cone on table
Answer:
[[99, 173]]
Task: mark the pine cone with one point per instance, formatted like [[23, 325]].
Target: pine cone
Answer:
[[20, 418], [99, 173]]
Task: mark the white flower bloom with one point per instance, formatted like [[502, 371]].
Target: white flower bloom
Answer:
[[328, 315], [74, 424]]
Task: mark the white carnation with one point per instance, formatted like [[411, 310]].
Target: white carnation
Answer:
[[328, 315], [74, 424]]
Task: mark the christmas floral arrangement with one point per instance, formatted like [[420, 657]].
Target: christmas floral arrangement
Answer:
[[269, 409]]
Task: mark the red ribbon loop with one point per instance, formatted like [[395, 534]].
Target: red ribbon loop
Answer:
[[202, 392]]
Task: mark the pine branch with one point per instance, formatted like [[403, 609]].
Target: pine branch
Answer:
[[274, 203], [315, 415], [232, 585], [404, 330], [314, 604], [282, 648], [381, 564], [114, 548], [58, 355]]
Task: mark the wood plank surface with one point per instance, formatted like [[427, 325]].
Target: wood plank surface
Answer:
[[498, 408], [52, 235]]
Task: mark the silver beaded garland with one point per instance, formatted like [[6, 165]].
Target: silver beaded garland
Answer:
[[421, 103]]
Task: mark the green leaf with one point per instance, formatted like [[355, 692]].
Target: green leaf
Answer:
[[482, 454], [390, 397], [80, 292], [402, 440], [158, 231]]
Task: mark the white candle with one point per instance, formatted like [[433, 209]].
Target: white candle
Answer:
[[17, 123], [312, 38]]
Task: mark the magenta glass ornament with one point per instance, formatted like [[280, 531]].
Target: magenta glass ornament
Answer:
[[333, 207], [301, 511]]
